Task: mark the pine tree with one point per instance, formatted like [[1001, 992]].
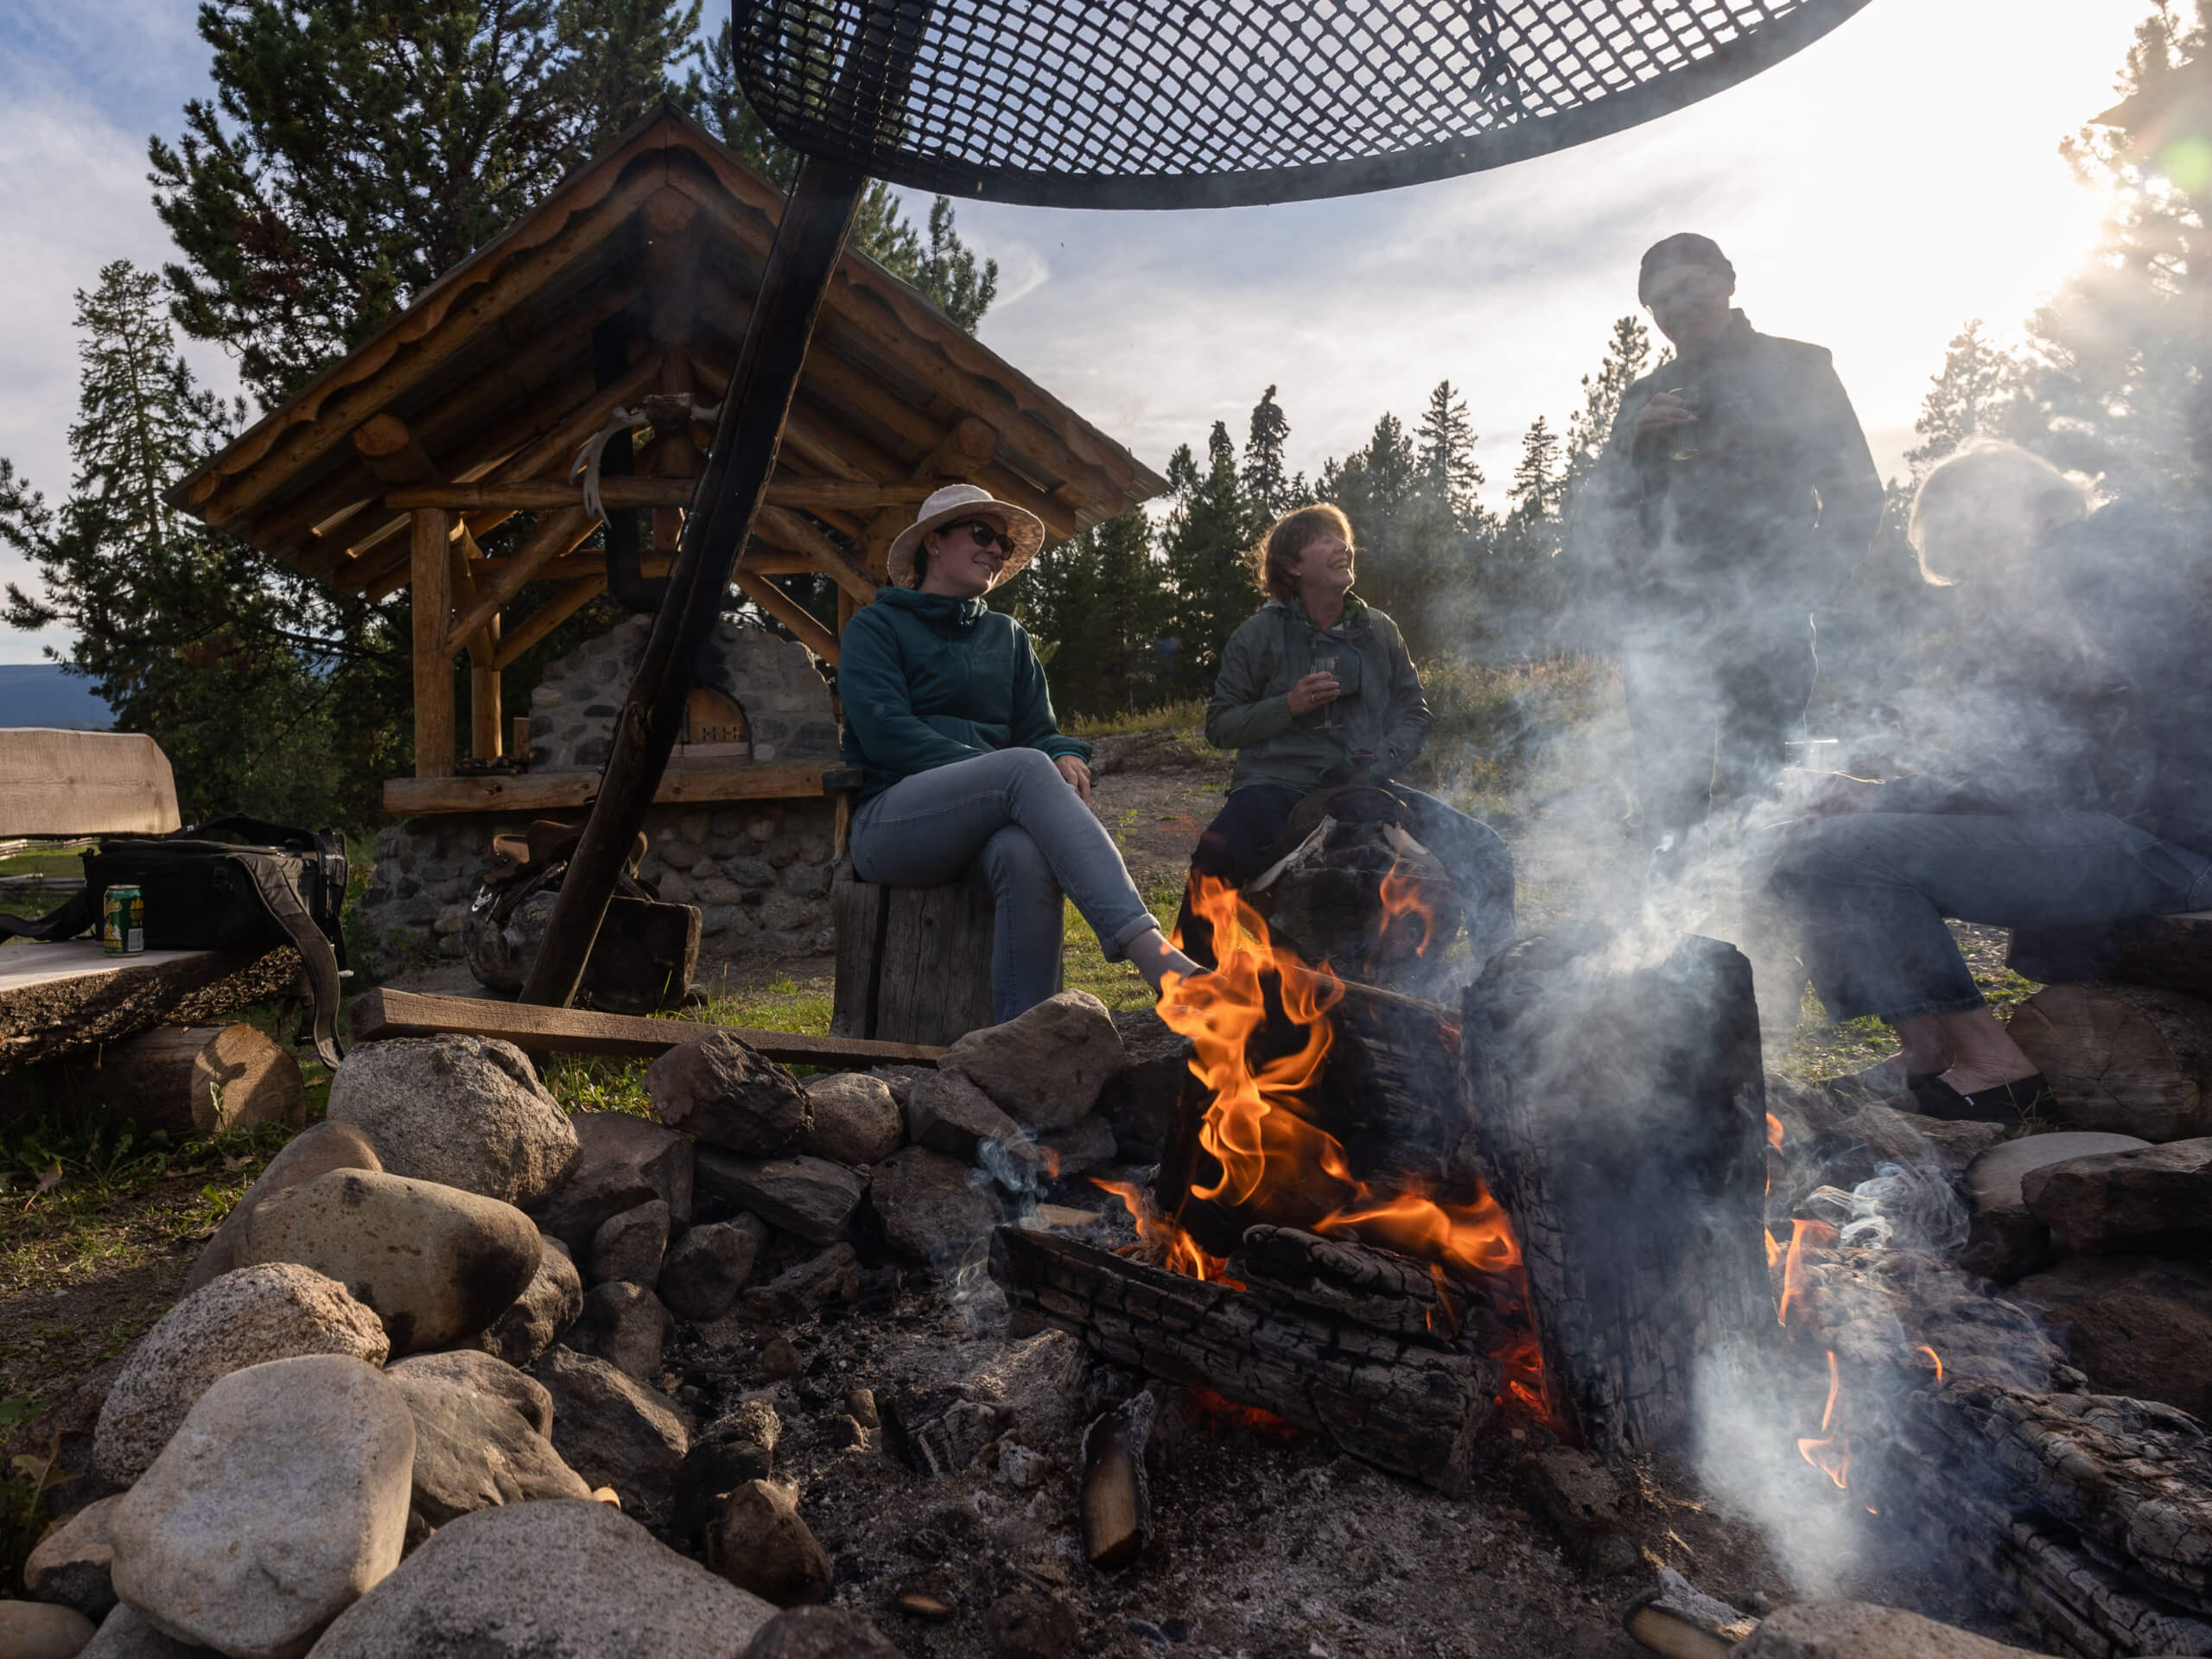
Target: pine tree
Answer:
[[1445, 463], [1265, 485], [1628, 355], [1209, 529], [1537, 479], [1391, 465]]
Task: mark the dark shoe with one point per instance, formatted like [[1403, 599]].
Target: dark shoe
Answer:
[[2005, 1103]]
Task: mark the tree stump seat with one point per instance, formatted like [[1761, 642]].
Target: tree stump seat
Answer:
[[913, 963]]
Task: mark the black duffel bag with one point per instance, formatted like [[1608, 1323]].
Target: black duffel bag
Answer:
[[236, 884]]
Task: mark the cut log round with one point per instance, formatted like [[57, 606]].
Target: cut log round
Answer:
[[202, 1080], [2168, 953], [2124, 1058]]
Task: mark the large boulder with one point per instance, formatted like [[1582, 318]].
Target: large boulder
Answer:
[[547, 1581], [947, 1112], [1046, 1066], [462, 1111], [624, 1161], [930, 1209], [1142, 1099], [760, 1542], [811, 1197], [613, 1430], [855, 1118], [2137, 1325], [626, 1325], [279, 1311], [282, 1499], [2153, 1200], [75, 1564], [125, 1634], [701, 1276], [438, 1264], [1858, 1630], [549, 1304], [727, 1094], [2003, 1240], [1085, 1144], [313, 1150], [628, 1247], [37, 1629], [480, 1429]]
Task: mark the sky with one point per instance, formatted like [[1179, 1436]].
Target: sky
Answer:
[[1874, 193]]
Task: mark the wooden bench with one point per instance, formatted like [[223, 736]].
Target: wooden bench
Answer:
[[70, 996], [913, 963]]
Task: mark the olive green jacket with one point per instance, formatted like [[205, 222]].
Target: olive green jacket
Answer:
[[1381, 709]]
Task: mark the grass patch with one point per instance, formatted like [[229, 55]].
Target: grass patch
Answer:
[[1189, 716]]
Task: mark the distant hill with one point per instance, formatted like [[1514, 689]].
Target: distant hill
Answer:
[[40, 694]]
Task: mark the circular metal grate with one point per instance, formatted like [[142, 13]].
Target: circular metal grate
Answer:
[[1225, 103]]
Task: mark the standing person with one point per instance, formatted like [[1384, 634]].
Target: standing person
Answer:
[[1315, 688], [1735, 496], [948, 716]]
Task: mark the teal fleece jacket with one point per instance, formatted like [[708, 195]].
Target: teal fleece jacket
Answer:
[[928, 680]]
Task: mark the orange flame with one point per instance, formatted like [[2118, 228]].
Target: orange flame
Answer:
[[1402, 897], [1774, 1131], [1173, 1249], [1935, 1359], [1830, 1455], [1793, 1271]]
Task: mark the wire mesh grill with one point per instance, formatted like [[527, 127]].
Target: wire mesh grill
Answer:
[[1222, 103]]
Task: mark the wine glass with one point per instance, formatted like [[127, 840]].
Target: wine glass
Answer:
[[1329, 720]]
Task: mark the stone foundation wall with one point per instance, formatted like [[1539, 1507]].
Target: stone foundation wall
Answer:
[[758, 870]]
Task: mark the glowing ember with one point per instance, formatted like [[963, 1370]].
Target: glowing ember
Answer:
[[1161, 1242], [1935, 1359], [1401, 898]]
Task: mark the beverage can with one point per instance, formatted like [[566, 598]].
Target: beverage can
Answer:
[[123, 921]]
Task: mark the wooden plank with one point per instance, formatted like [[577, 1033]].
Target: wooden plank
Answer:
[[537, 791], [71, 997], [57, 783], [432, 572], [380, 1014]]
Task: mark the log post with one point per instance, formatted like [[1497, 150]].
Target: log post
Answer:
[[431, 569], [202, 1080], [1619, 1116]]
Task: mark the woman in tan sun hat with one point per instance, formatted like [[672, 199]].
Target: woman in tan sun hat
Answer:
[[948, 716]]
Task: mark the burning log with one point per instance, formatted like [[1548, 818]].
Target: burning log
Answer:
[[1409, 1404], [1116, 1499], [1381, 1289], [1363, 897], [1620, 1121]]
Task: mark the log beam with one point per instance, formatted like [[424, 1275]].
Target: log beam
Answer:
[[559, 535], [541, 494], [804, 627], [547, 617], [774, 524], [431, 567], [542, 791]]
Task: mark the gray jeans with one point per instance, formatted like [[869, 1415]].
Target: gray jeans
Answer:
[[1866, 894], [1011, 820]]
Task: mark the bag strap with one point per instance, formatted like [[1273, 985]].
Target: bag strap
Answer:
[[74, 914], [277, 884]]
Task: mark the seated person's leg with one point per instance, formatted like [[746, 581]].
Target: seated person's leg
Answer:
[[1235, 848], [1025, 934], [1480, 864]]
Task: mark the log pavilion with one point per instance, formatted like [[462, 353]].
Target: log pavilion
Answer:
[[628, 287]]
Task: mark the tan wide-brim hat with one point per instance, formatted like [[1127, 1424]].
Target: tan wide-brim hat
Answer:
[[957, 501]]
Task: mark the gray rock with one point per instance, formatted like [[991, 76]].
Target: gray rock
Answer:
[[1026, 1625], [461, 1111], [628, 1247], [624, 1161], [612, 1430], [437, 1264], [702, 1275], [547, 1581], [2136, 1325], [822, 1633], [74, 1564], [720, 1091], [36, 1630], [1141, 1100], [900, 1080], [2005, 1241], [1046, 1066], [246, 1318], [480, 1430], [313, 1150], [929, 1210], [549, 1304], [948, 1112], [281, 1500], [2152, 1200], [759, 1542], [1908, 1137], [811, 1197], [626, 1325], [125, 1634], [855, 1118], [830, 1275], [1858, 1630], [734, 1448], [1085, 1144]]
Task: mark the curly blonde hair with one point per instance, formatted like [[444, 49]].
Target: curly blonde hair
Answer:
[[1279, 551]]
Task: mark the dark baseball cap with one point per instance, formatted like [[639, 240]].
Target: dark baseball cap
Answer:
[[1685, 248]]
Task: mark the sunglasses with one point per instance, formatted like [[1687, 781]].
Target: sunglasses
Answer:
[[986, 536]]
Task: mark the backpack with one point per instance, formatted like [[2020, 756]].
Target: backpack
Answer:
[[236, 884]]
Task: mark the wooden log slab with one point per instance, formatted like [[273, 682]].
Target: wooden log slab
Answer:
[[2128, 1059], [202, 1080], [380, 1014], [1381, 1289], [1407, 1404], [72, 998], [1620, 1120], [2168, 953]]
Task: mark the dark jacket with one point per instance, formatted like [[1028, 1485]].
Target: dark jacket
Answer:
[[1381, 709], [928, 680], [2088, 690], [1772, 513]]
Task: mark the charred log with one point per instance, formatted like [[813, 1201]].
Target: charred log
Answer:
[[1381, 1289], [1619, 1118], [1366, 899], [1409, 1405]]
